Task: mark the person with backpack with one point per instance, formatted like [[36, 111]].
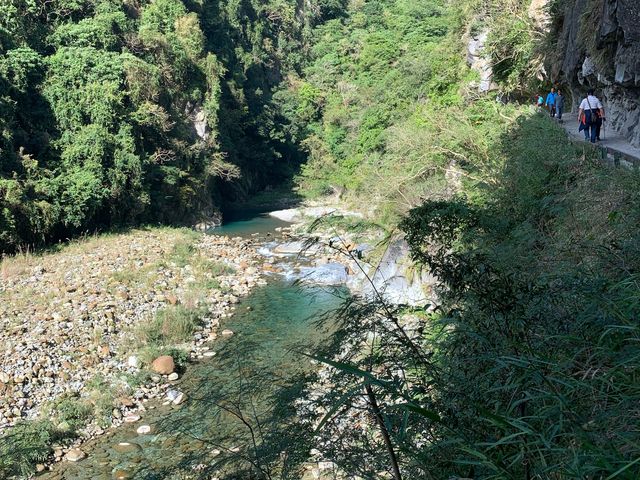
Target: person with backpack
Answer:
[[559, 105], [591, 116], [551, 102]]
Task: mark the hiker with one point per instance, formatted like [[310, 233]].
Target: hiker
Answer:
[[591, 116], [551, 102], [540, 102], [559, 104]]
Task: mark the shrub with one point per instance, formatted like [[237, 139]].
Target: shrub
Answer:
[[26, 444], [170, 326]]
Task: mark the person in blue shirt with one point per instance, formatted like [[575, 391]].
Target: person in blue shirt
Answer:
[[551, 102]]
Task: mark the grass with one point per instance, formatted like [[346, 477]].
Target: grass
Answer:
[[170, 326], [30, 441]]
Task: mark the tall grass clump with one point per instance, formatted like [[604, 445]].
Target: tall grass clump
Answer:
[[170, 326], [27, 443]]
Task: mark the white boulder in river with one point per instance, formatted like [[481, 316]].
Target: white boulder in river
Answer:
[[328, 274], [294, 215], [396, 277]]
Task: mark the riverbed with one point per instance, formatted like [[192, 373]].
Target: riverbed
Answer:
[[239, 420]]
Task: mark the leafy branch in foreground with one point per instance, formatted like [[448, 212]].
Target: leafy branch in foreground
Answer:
[[528, 364]]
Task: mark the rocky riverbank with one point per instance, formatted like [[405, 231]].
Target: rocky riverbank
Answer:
[[75, 324], [103, 327], [349, 250]]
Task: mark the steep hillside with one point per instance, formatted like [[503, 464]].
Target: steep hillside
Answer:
[[113, 113]]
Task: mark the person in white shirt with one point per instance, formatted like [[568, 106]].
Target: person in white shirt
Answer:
[[591, 116]]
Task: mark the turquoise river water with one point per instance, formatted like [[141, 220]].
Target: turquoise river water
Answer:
[[240, 402]]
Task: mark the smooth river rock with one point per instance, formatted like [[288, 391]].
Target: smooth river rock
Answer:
[[144, 429], [163, 365], [126, 447], [75, 455], [122, 475]]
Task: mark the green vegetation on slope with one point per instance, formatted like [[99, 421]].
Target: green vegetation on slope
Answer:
[[388, 107], [527, 367], [114, 112]]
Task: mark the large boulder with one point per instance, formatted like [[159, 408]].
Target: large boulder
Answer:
[[396, 278], [329, 274], [163, 365]]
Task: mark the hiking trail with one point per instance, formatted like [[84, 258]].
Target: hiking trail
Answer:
[[615, 144]]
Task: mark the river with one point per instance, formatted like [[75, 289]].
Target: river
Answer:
[[239, 420]]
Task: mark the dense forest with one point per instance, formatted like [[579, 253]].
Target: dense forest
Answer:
[[115, 113], [526, 366]]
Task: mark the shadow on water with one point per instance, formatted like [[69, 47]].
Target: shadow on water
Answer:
[[241, 417]]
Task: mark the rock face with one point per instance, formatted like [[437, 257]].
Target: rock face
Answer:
[[163, 365], [478, 61], [603, 54], [396, 278]]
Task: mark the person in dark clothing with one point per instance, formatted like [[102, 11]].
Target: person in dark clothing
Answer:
[[591, 116], [559, 104]]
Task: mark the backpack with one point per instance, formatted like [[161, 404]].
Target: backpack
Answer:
[[595, 114]]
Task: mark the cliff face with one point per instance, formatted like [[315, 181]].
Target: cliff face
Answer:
[[598, 45]]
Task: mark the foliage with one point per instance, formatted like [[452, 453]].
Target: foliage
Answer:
[[525, 366], [99, 102], [70, 412], [383, 83], [26, 444], [170, 326]]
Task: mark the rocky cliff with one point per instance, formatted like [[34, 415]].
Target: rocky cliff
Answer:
[[598, 45]]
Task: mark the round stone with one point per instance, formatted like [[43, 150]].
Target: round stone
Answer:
[[75, 455], [144, 429], [163, 365], [122, 475], [126, 447]]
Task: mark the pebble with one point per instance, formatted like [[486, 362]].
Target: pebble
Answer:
[[91, 293], [143, 430], [126, 447], [133, 361], [121, 475], [75, 455], [180, 399]]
